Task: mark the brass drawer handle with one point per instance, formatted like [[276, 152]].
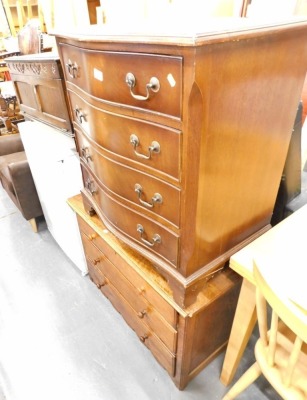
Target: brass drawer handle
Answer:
[[96, 261], [142, 314], [141, 290], [153, 148], [79, 115], [92, 236], [101, 284], [90, 186], [143, 338], [157, 198], [72, 68], [155, 239], [85, 154], [153, 85]]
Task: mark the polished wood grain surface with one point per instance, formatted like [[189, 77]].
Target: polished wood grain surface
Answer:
[[236, 91], [108, 71], [138, 190], [112, 132], [40, 88], [181, 339]]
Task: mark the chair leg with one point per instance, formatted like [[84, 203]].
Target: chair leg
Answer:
[[246, 379], [33, 224]]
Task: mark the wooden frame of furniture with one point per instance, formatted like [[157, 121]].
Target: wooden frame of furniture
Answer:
[[18, 12], [40, 88], [183, 136], [183, 341], [281, 349], [275, 244]]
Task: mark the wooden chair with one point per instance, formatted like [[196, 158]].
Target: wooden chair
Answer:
[[280, 353]]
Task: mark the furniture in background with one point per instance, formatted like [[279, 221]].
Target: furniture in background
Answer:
[[92, 10], [279, 350], [19, 12], [9, 114], [16, 178], [182, 145], [182, 340], [56, 172], [4, 72], [39, 86], [180, 157], [284, 248], [149, 11], [50, 146], [290, 187]]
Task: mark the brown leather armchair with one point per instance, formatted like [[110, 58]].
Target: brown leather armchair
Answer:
[[16, 178]]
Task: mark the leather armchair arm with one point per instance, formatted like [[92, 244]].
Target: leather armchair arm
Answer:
[[10, 144], [25, 189]]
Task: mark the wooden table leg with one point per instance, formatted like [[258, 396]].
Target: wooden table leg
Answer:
[[243, 325]]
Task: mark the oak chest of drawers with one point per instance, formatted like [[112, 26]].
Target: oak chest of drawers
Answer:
[[183, 137], [183, 341]]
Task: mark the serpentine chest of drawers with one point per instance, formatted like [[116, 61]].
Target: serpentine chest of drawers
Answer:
[[182, 141], [183, 138]]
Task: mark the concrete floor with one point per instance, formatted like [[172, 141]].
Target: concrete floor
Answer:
[[60, 339]]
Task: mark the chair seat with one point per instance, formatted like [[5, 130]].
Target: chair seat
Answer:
[[274, 374], [281, 351], [5, 161]]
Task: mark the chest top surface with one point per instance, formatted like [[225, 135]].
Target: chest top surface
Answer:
[[196, 32]]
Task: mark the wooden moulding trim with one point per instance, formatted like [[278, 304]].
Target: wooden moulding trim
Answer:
[[191, 285], [241, 29]]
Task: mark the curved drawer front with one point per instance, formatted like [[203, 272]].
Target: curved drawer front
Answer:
[[143, 190], [154, 146], [151, 82], [144, 310], [137, 228]]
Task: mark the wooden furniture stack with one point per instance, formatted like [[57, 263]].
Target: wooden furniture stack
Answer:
[[182, 139], [49, 144], [39, 85], [183, 341], [18, 12]]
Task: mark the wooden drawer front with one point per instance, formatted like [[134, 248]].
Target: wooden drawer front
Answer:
[[43, 100], [117, 134], [146, 335], [155, 238], [143, 309], [104, 75], [142, 287], [147, 192]]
